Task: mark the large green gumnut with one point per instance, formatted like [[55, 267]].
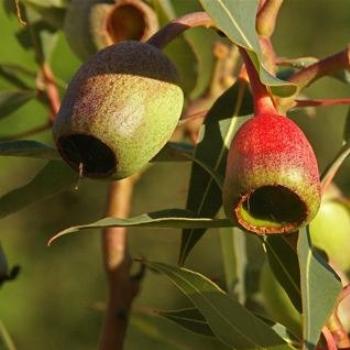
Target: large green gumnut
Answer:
[[119, 110], [330, 232], [277, 303], [91, 25]]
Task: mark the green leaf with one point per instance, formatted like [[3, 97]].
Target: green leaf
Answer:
[[163, 218], [231, 323], [17, 75], [228, 257], [55, 177], [229, 112], [6, 338], [188, 318], [284, 263], [236, 18], [13, 100], [28, 148], [320, 287]]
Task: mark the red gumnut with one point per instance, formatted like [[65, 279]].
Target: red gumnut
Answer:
[[272, 180]]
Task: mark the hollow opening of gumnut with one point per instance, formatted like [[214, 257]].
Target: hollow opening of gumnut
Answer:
[[272, 209], [87, 155], [126, 22]]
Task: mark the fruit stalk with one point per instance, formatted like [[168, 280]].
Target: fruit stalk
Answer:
[[263, 103]]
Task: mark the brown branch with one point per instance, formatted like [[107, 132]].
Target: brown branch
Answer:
[[322, 102], [176, 27], [121, 288], [46, 85], [326, 66], [267, 16]]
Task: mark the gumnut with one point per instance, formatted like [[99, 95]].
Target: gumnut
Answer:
[[119, 110], [91, 25], [272, 179]]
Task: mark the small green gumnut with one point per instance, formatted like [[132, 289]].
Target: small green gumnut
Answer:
[[277, 303], [272, 180], [330, 232], [119, 110], [91, 25]]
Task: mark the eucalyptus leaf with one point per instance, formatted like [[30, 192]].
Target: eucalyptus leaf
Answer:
[[174, 152], [10, 101], [320, 287], [28, 148], [231, 323], [53, 178], [284, 263], [188, 318], [177, 218], [228, 113], [236, 18], [17, 75]]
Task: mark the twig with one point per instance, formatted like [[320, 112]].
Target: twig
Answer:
[[322, 102], [46, 83], [19, 13], [327, 334], [326, 66], [178, 26], [122, 289], [267, 16]]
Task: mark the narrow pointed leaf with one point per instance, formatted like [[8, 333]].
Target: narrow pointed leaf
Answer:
[[320, 287], [229, 112], [190, 319], [284, 263], [13, 100], [55, 177], [164, 218], [28, 148], [231, 323], [236, 18]]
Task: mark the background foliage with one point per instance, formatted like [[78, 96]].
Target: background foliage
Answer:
[[57, 300]]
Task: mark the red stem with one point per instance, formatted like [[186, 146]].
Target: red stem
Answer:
[[174, 28], [263, 103], [327, 334]]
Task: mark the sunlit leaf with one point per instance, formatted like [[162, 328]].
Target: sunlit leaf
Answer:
[[177, 218], [236, 18], [188, 318], [284, 263], [232, 323], [229, 112], [320, 287]]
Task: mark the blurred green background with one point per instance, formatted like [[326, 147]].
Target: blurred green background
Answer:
[[55, 302]]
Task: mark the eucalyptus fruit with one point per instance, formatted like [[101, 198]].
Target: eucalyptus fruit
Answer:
[[272, 178], [119, 110], [91, 25]]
